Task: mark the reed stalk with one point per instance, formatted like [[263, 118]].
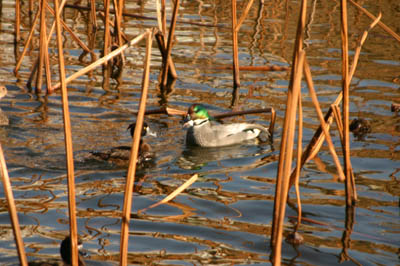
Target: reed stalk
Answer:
[[324, 126], [42, 45], [161, 45], [68, 142], [12, 209], [235, 66], [134, 152], [70, 31], [101, 61], [298, 161], [244, 15], [166, 58], [286, 149], [381, 24], [107, 42], [28, 41], [17, 21], [174, 194], [350, 199], [318, 138]]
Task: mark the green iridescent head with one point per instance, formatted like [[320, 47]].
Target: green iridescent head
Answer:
[[197, 111]]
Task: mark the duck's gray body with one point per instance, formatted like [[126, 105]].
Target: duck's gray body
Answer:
[[205, 134]]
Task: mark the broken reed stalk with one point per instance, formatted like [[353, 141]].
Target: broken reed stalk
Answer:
[[286, 148], [298, 161], [350, 198], [244, 14], [381, 24], [130, 179], [166, 59], [236, 77], [324, 126], [12, 209], [101, 61], [173, 195], [68, 142]]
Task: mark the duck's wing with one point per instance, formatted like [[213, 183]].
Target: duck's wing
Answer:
[[246, 129]]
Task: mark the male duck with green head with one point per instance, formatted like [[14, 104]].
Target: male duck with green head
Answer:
[[201, 132]]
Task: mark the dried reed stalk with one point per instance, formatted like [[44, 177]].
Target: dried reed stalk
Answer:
[[286, 150], [42, 45], [350, 199], [70, 31], [284, 174], [134, 152], [324, 126], [244, 14], [101, 61], [235, 66], [318, 138], [12, 209], [28, 41], [381, 24], [68, 142], [166, 59], [298, 161], [17, 21], [161, 45], [173, 195], [107, 42]]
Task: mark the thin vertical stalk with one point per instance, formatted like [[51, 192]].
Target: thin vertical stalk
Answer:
[[17, 21], [107, 41], [345, 108], [47, 63], [161, 44], [169, 45], [298, 161], [130, 179], [68, 142], [280, 200], [163, 18], [43, 39], [28, 41], [236, 77], [12, 209], [324, 126], [287, 158]]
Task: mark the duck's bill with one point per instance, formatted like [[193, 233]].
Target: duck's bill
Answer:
[[151, 132], [189, 123]]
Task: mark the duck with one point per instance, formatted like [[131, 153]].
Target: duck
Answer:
[[65, 253], [202, 132], [120, 155], [3, 117], [360, 127]]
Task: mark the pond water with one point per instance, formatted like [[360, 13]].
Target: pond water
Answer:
[[225, 216]]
